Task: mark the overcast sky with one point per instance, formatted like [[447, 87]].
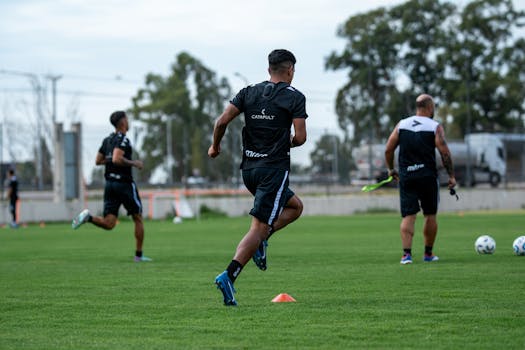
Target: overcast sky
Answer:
[[104, 48]]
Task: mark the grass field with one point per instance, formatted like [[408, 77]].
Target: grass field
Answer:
[[65, 289]]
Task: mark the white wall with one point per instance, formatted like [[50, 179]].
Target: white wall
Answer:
[[36, 210]]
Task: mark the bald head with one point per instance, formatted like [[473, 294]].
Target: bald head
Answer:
[[425, 106]]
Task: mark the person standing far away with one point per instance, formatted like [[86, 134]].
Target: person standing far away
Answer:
[[417, 138], [12, 196], [270, 109], [115, 154]]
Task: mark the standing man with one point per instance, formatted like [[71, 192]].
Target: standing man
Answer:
[[115, 154], [12, 195], [417, 138], [270, 108]]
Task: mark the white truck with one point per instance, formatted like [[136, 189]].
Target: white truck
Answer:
[[490, 158], [486, 160]]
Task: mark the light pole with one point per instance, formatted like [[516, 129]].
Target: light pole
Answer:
[[468, 175], [335, 164], [370, 122], [58, 173], [54, 79], [242, 77], [169, 150]]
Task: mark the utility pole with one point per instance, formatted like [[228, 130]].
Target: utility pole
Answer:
[[54, 79], [370, 123], [468, 175], [335, 164], [58, 173], [169, 150], [39, 116]]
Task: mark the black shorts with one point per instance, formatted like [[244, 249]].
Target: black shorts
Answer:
[[121, 193], [270, 189], [419, 193]]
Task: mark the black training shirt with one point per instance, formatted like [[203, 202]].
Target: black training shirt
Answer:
[[13, 184], [417, 157], [268, 112], [115, 172]]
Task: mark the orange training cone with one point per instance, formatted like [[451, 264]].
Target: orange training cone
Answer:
[[283, 298]]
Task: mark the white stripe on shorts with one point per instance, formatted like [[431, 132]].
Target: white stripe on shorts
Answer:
[[277, 199], [135, 197]]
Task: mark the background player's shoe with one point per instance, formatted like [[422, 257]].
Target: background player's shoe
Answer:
[[142, 259], [80, 219], [406, 259], [224, 283], [429, 258], [259, 258]]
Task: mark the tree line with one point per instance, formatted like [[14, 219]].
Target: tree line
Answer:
[[467, 58], [470, 59]]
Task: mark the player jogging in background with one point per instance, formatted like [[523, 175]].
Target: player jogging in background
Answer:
[[418, 137], [270, 109], [12, 196], [120, 189]]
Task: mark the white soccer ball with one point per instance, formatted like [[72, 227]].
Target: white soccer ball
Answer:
[[485, 245], [177, 220], [519, 245]]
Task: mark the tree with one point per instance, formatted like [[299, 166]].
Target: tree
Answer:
[[331, 158], [362, 103], [188, 100], [467, 59], [422, 37], [486, 86]]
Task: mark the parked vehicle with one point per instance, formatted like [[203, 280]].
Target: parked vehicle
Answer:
[[369, 156], [491, 159], [483, 155]]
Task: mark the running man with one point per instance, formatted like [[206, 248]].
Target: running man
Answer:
[[270, 109], [418, 137], [116, 155]]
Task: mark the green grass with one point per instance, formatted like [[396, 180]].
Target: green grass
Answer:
[[64, 289]]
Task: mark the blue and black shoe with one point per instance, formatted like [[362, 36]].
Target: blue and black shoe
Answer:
[[430, 258], [259, 258], [406, 259], [224, 283]]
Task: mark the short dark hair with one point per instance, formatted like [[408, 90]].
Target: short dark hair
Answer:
[[280, 59], [11, 171], [115, 117]]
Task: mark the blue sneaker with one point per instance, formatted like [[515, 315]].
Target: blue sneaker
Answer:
[[224, 283], [259, 258], [406, 259], [429, 258]]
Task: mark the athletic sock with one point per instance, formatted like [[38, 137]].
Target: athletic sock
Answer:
[[408, 251], [138, 253], [234, 269], [428, 250]]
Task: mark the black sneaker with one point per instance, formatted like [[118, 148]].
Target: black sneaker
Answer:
[[259, 258]]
